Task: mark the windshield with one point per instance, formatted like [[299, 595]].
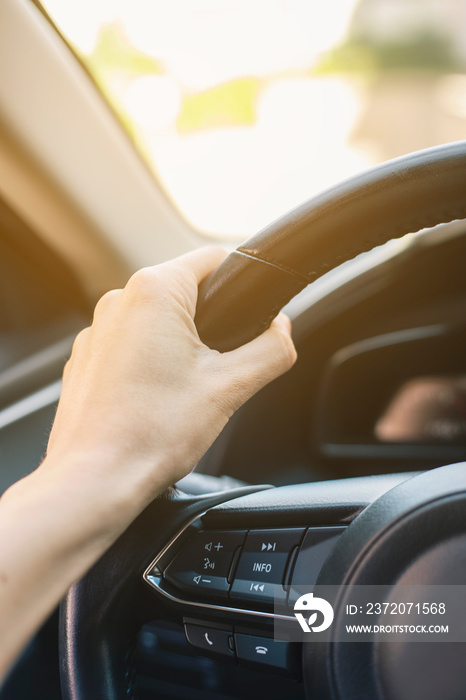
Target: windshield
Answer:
[[246, 108]]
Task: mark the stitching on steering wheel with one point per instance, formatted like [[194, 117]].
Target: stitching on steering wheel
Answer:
[[380, 238], [279, 266], [130, 673]]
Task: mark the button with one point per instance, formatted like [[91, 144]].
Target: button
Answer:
[[210, 639], [203, 565], [262, 651], [260, 573], [317, 544]]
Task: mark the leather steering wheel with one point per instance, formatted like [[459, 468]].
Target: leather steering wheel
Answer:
[[103, 612]]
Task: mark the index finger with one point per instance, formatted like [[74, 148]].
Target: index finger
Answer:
[[201, 262]]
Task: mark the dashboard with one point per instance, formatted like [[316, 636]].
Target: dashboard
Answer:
[[401, 391]]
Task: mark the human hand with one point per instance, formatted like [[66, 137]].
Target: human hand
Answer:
[[142, 397], [142, 400]]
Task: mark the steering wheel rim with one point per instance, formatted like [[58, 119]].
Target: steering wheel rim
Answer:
[[351, 218], [270, 268]]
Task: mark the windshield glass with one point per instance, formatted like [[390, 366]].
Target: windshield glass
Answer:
[[246, 108]]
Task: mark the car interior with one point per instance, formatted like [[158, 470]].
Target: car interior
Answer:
[[347, 470]]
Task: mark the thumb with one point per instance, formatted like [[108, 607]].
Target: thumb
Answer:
[[258, 362]]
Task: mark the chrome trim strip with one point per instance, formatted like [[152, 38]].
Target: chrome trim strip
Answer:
[[154, 582], [32, 403]]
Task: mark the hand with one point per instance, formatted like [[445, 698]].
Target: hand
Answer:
[[142, 397], [142, 400]]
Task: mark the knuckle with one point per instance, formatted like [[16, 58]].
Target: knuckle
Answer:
[[168, 285], [141, 280], [178, 277], [66, 369], [148, 283], [288, 350], [106, 302], [80, 340]]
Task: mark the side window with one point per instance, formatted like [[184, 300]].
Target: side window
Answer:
[[41, 309], [40, 300]]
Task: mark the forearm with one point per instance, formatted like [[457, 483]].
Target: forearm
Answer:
[[142, 401], [52, 530]]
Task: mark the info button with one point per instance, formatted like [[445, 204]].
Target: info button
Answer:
[[262, 566], [268, 568]]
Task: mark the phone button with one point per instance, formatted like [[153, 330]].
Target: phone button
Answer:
[[263, 651], [210, 639]]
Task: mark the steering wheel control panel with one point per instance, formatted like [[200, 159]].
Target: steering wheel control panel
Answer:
[[253, 572], [250, 577], [249, 650]]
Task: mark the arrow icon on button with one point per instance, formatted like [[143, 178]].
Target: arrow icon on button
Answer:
[[268, 546], [257, 587], [196, 579]]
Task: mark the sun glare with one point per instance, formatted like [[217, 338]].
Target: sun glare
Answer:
[[245, 108]]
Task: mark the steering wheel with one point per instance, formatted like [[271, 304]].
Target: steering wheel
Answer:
[[387, 530]]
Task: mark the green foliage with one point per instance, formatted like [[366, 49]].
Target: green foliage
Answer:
[[115, 62], [114, 53], [230, 104], [427, 50]]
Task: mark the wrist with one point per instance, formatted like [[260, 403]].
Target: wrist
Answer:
[[104, 490], [68, 524]]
